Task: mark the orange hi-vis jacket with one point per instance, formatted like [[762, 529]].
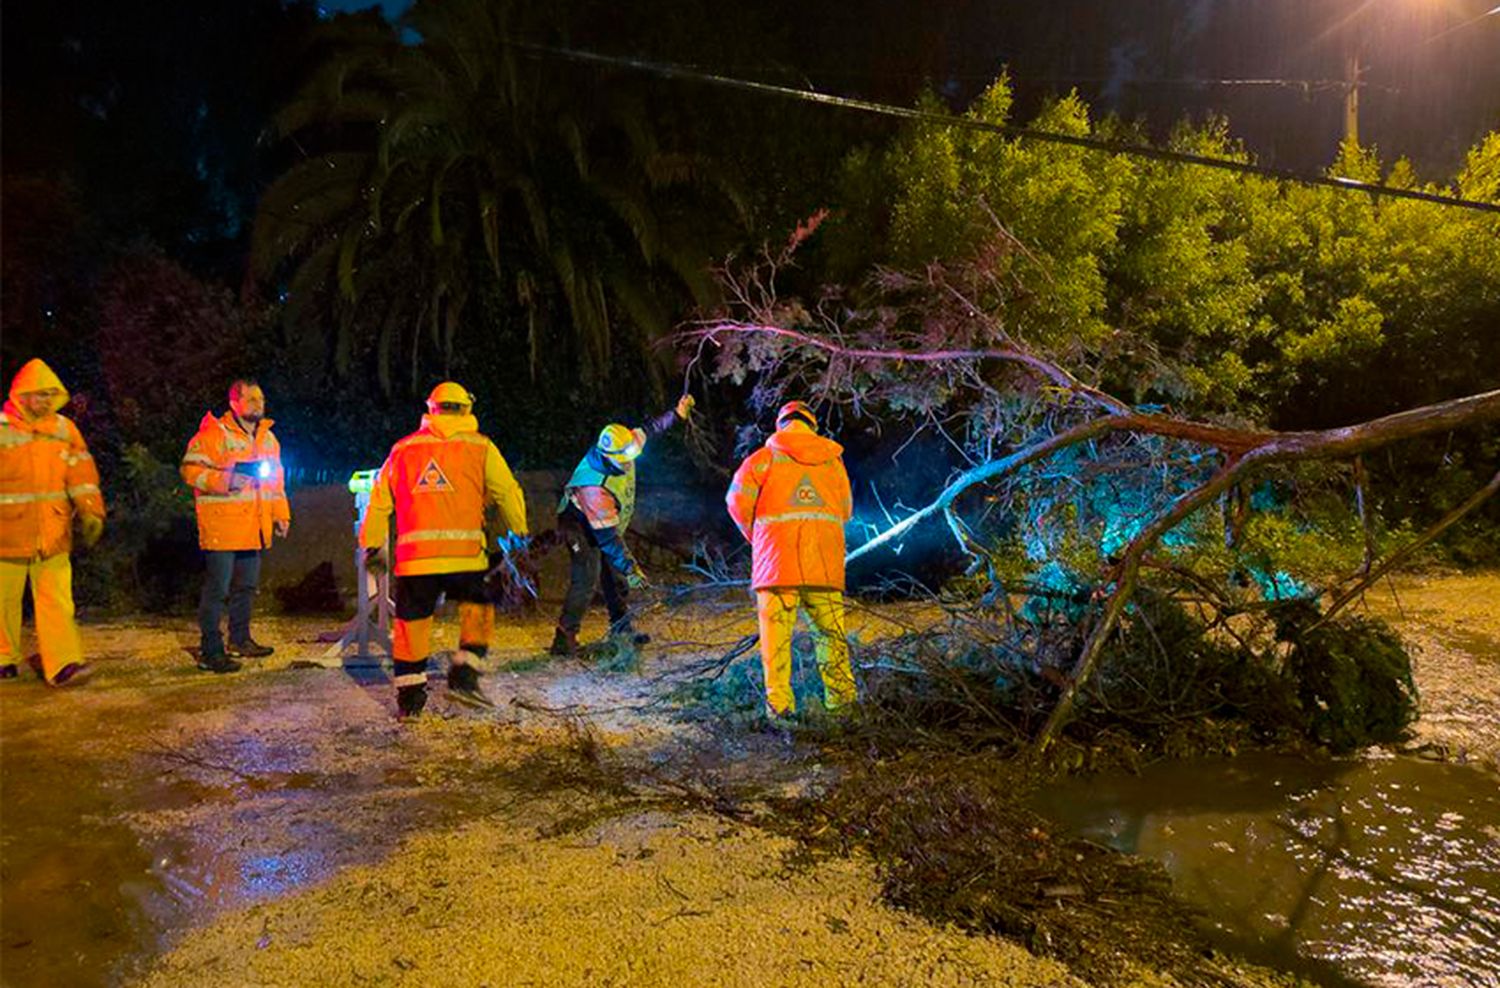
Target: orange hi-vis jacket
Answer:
[[438, 481], [230, 519], [790, 499], [46, 473]]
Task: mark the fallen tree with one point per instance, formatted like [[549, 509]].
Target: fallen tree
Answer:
[[1016, 410]]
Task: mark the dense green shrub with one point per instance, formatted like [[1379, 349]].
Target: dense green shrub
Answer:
[[1353, 678]]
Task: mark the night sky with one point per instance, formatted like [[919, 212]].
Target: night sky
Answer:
[[392, 8]]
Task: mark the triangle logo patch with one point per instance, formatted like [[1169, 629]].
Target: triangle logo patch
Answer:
[[431, 480], [806, 495]]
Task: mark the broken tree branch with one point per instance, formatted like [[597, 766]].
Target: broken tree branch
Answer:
[[1402, 554]]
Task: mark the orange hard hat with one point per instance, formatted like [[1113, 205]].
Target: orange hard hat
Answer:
[[796, 411]]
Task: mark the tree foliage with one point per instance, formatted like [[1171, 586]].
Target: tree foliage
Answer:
[[1104, 344], [1211, 291], [457, 159]]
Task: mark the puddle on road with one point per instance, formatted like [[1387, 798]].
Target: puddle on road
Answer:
[[1383, 872], [89, 901]]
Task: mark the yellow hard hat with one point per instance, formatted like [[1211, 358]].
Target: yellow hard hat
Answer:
[[621, 443], [449, 393]]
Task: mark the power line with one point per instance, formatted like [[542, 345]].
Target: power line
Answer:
[[669, 71]]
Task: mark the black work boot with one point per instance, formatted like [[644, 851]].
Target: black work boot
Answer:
[[625, 628], [463, 687], [217, 662], [410, 700], [250, 649], [564, 643], [72, 674]]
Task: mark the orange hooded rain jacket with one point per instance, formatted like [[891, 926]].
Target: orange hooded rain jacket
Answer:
[[790, 499], [46, 473]]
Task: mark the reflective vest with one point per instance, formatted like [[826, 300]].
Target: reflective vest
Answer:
[[230, 518], [790, 499], [590, 474], [435, 480], [46, 475]]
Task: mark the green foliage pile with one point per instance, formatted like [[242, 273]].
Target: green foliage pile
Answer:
[[1172, 684], [736, 696], [1169, 672], [1353, 678]]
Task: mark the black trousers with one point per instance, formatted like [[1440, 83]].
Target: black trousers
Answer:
[[231, 577], [586, 571]]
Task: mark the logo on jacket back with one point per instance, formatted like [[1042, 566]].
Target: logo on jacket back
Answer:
[[806, 495], [431, 480]]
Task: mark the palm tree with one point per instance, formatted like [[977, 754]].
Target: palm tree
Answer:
[[459, 158]]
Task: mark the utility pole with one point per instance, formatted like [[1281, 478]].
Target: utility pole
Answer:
[[1351, 97]]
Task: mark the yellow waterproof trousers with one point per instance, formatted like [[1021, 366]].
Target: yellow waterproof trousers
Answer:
[[52, 593], [412, 640], [777, 609]]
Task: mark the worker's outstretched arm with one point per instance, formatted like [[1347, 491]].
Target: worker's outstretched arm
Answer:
[[670, 417]]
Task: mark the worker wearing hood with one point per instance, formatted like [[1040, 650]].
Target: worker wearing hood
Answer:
[[790, 500], [47, 480]]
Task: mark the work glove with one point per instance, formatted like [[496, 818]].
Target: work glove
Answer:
[[90, 527], [375, 561], [636, 579], [513, 545], [684, 406]]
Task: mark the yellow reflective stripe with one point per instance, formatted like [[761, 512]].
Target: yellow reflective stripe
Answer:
[[202, 458], [800, 516], [737, 488], [247, 495], [32, 498], [16, 437], [410, 679], [441, 535], [78, 489]]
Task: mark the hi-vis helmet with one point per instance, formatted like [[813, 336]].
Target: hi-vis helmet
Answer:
[[449, 393], [621, 443], [796, 411]]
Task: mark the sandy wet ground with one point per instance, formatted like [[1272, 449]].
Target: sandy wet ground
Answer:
[[278, 827], [1452, 624]]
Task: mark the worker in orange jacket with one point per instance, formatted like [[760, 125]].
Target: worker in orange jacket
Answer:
[[790, 499], [233, 465], [439, 483], [47, 479]]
